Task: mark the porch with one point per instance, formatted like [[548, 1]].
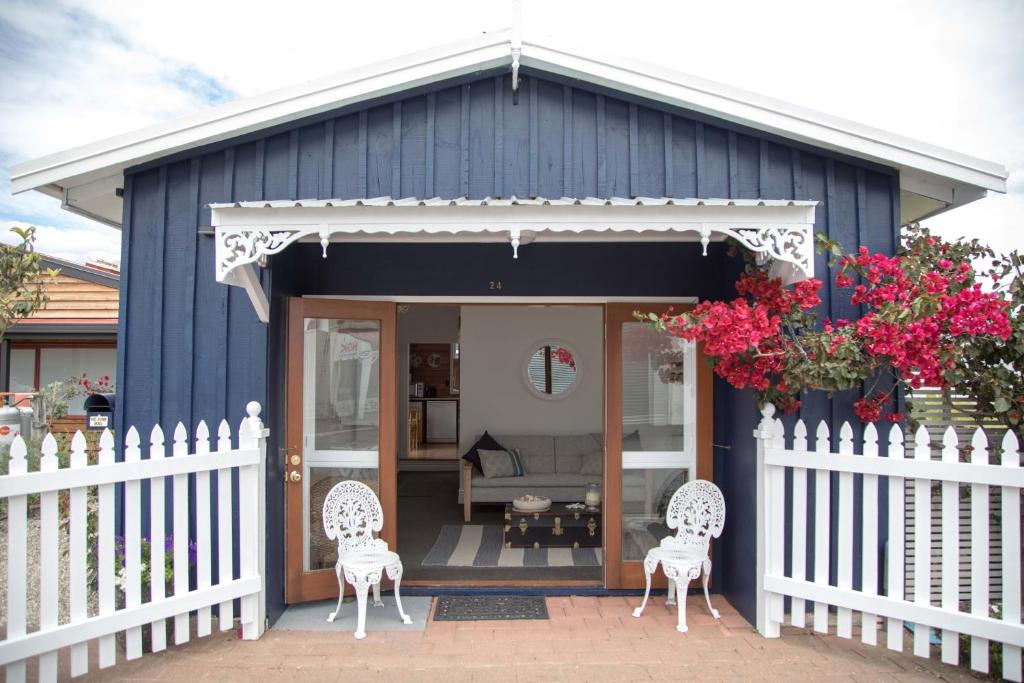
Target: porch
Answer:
[[586, 638]]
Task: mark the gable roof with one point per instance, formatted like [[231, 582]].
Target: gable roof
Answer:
[[88, 179]]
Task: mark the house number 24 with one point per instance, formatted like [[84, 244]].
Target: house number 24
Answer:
[[495, 284]]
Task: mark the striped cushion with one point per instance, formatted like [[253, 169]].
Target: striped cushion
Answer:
[[501, 463]]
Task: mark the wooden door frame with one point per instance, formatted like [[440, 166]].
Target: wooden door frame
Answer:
[[620, 574], [304, 586]]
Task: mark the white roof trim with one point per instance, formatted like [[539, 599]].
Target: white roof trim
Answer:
[[247, 233], [950, 173]]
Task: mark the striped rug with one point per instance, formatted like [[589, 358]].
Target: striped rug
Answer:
[[481, 545]]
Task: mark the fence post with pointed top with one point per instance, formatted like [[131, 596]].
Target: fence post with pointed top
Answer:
[[764, 434]]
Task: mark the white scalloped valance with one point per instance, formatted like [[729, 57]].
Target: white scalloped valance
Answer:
[[247, 233]]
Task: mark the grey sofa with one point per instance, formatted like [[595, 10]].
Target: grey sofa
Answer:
[[559, 467]]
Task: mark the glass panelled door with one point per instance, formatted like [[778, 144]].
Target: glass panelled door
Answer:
[[655, 388], [341, 427]]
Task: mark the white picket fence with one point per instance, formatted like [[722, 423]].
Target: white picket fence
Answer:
[[881, 593], [99, 482]]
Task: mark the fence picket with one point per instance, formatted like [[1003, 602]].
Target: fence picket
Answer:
[[894, 582], [922, 539], [225, 528], [157, 548], [927, 615], [17, 485], [203, 535], [776, 558], [950, 548], [17, 542], [49, 543], [78, 537], [1011, 542], [798, 609], [979, 552], [822, 525], [181, 507], [132, 544], [869, 550], [844, 557], [105, 550]]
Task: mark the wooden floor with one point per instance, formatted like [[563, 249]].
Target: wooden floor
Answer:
[[435, 451]]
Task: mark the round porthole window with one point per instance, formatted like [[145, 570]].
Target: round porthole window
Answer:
[[552, 369]]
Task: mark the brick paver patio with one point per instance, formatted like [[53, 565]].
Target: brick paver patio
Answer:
[[586, 639]]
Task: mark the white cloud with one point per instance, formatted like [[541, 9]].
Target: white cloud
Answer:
[[80, 244]]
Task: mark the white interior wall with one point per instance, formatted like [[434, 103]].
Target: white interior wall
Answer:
[[420, 324], [495, 343]]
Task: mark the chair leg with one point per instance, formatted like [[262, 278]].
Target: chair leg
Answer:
[[376, 595], [648, 571], [341, 596], [707, 596], [397, 578], [671, 599], [362, 587], [681, 587]]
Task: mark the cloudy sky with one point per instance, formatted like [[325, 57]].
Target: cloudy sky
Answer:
[[950, 73]]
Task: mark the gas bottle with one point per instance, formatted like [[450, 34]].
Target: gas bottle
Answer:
[[10, 424]]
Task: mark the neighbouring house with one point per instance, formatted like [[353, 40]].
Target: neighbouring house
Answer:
[[403, 257], [75, 333]]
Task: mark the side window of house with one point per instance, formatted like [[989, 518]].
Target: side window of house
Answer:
[[34, 367]]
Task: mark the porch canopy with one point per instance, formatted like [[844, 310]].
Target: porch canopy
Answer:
[[247, 233]]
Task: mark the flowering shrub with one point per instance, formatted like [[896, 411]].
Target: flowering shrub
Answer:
[[926, 321], [145, 550], [102, 385]]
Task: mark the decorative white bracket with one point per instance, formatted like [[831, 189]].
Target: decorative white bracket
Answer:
[[246, 234]]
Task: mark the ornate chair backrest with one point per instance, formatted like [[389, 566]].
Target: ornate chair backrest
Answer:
[[697, 512], [352, 514]]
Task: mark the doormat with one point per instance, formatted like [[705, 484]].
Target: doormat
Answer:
[[490, 607]]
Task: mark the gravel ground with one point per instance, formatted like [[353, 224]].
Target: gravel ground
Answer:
[[32, 577]]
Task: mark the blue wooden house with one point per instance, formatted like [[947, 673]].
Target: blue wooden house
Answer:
[[272, 248]]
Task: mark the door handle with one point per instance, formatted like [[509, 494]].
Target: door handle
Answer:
[[294, 476]]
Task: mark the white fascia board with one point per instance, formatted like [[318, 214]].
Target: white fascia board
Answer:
[[85, 163], [764, 113]]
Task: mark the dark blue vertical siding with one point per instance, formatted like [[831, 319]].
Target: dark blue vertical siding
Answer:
[[192, 349]]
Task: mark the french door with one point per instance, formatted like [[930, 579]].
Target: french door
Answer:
[[658, 422], [341, 403]]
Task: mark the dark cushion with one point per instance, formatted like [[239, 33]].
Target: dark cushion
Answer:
[[485, 442]]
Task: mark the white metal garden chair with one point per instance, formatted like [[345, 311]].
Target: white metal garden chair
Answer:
[[697, 512], [352, 514]]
